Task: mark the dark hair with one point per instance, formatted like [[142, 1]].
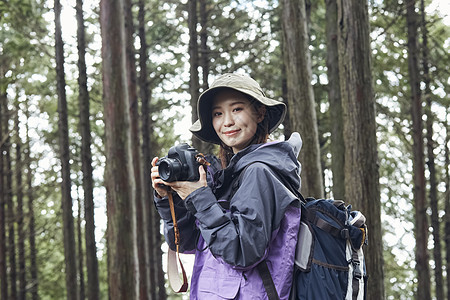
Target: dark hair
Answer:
[[261, 135]]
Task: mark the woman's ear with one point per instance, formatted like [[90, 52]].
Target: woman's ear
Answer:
[[261, 113]]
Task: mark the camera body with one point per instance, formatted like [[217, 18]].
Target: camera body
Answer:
[[180, 164]]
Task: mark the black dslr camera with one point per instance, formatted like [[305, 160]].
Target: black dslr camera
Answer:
[[181, 164]]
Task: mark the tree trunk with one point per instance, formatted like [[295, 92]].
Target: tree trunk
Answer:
[[31, 223], [3, 248], [119, 163], [20, 217], [80, 253], [68, 227], [158, 241], [334, 98], [10, 214], [447, 203], [361, 161], [146, 196], [287, 130], [435, 223], [204, 61], [139, 213], [420, 206], [194, 62], [302, 112], [93, 290], [204, 51], [156, 283]]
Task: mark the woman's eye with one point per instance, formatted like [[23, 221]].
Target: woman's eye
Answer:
[[237, 109], [216, 114]]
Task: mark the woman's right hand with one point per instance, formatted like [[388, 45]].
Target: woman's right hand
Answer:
[[157, 182]]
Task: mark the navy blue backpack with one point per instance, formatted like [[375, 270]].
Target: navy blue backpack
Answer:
[[329, 262]]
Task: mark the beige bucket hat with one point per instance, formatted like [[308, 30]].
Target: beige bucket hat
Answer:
[[203, 129]]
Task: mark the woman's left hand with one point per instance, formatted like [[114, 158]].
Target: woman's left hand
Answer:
[[184, 188]]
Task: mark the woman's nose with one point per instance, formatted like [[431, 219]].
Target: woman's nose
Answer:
[[228, 120]]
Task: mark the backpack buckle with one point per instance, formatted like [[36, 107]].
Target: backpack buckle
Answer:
[[345, 233], [357, 274]]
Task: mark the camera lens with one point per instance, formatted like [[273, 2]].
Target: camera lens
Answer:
[[169, 169]]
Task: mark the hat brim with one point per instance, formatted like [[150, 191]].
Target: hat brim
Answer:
[[203, 129]]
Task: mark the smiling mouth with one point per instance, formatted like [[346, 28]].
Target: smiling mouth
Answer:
[[231, 132]]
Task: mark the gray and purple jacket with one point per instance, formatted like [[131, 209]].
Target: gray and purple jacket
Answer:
[[261, 222]]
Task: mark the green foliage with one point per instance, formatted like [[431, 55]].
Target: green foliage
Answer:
[[50, 250], [240, 36], [399, 278]]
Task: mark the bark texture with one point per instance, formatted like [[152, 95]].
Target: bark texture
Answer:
[[420, 203], [434, 200], [20, 213], [155, 273], [447, 204], [3, 248], [361, 162], [93, 290], [33, 280], [8, 198], [119, 163], [194, 63], [334, 98], [68, 226], [139, 213], [302, 111]]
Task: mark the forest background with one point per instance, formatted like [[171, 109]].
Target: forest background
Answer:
[[90, 93]]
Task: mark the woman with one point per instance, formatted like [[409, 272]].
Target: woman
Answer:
[[261, 221]]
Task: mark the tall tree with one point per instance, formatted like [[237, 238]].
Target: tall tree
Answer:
[[31, 218], [8, 194], [66, 185], [82, 291], [93, 292], [420, 205], [199, 57], [194, 63], [204, 59], [3, 248], [433, 196], [156, 283], [119, 163], [144, 94], [447, 201], [302, 111], [20, 212], [287, 130], [204, 51], [361, 161], [334, 98], [136, 152]]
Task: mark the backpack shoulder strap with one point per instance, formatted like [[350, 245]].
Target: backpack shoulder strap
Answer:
[[266, 277]]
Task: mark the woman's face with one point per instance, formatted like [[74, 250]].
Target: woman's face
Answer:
[[235, 119]]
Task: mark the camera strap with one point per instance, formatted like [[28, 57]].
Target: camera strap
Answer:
[[173, 258]]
